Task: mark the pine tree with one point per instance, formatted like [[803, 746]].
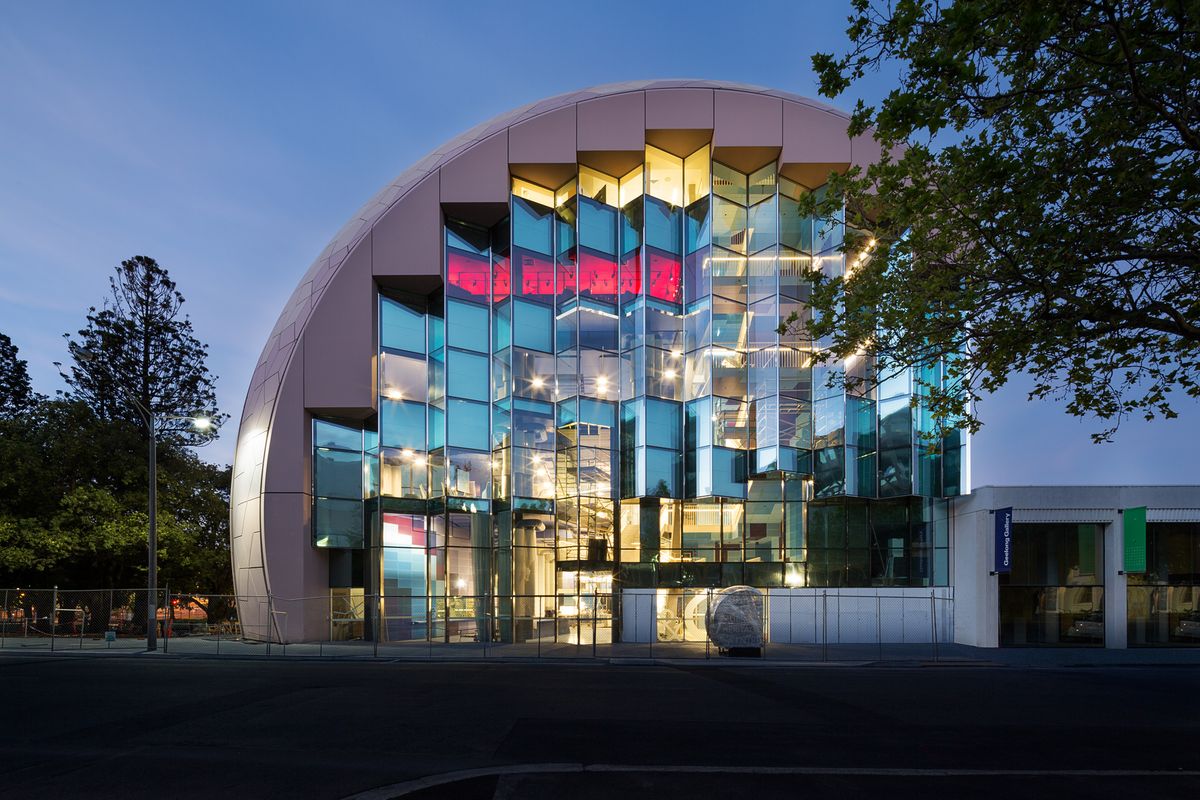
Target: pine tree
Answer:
[[139, 347], [16, 391]]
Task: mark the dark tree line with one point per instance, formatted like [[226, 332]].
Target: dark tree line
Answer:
[[73, 468]]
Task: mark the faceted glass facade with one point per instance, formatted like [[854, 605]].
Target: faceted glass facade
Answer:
[[599, 398]]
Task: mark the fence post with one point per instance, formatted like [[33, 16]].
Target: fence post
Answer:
[[219, 626], [707, 639], [824, 625], [933, 621], [108, 624], [167, 618], [879, 623], [53, 617], [595, 614], [375, 626]]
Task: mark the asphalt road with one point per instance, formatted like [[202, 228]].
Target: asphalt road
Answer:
[[146, 726]]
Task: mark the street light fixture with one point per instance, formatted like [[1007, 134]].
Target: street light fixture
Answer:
[[200, 422]]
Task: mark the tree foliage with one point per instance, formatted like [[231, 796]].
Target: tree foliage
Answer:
[[1036, 207], [140, 346], [16, 391]]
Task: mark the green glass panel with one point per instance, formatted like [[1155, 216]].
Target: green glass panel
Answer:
[[1134, 523]]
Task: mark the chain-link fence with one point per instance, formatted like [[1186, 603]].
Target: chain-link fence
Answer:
[[861, 625]]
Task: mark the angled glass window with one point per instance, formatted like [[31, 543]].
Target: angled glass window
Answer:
[[663, 472], [762, 226], [436, 427], [729, 183], [662, 424], [698, 221], [402, 423], [533, 374], [467, 326], [533, 424], [664, 276], [728, 372], [339, 473], [532, 326], [501, 326], [599, 374], [762, 184], [403, 377], [532, 219], [401, 327], [598, 277], [331, 434], [729, 275], [598, 224], [729, 225], [795, 229], [729, 327], [664, 226], [467, 424], [729, 477], [664, 176], [468, 474], [404, 473], [597, 328], [664, 326], [467, 375]]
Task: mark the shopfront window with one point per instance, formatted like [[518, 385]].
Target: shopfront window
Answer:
[[1055, 592]]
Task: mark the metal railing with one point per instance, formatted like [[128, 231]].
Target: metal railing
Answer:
[[797, 624]]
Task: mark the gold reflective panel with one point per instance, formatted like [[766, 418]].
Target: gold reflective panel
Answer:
[[533, 193], [598, 186], [697, 176], [664, 176]]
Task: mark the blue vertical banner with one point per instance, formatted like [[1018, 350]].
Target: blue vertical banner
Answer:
[[1003, 517]]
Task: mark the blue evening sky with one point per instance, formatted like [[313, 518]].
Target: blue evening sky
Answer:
[[231, 140]]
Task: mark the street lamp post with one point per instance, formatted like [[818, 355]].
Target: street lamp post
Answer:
[[201, 423]]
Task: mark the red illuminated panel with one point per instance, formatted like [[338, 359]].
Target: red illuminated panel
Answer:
[[631, 276], [665, 279], [501, 269], [597, 276], [535, 273], [566, 276], [467, 275]]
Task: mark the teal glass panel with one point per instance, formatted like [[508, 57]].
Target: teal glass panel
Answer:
[[437, 428], [664, 228], [566, 332], [467, 326], [698, 222], [331, 434], [467, 424], [437, 376], [467, 375], [598, 413], [663, 470], [699, 423], [501, 326], [337, 523], [829, 472], [501, 423], [860, 422], [728, 472], [402, 424], [728, 323], [401, 327], [597, 226], [532, 226], [338, 473], [532, 325]]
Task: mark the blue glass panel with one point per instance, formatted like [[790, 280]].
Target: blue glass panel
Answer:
[[467, 424], [467, 326], [501, 424], [597, 412], [331, 434], [664, 326], [532, 325], [404, 575], [698, 432], [566, 332], [597, 226], [532, 226], [467, 375], [663, 225], [663, 424], [401, 327], [402, 424], [795, 229]]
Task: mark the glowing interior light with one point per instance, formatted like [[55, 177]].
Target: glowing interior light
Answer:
[[537, 383], [394, 394], [676, 353], [669, 374], [406, 453]]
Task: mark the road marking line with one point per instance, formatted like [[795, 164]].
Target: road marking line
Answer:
[[408, 787]]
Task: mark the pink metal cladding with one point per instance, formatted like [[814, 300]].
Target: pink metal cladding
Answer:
[[320, 355]]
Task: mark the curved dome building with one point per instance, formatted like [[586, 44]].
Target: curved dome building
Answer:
[[535, 388]]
